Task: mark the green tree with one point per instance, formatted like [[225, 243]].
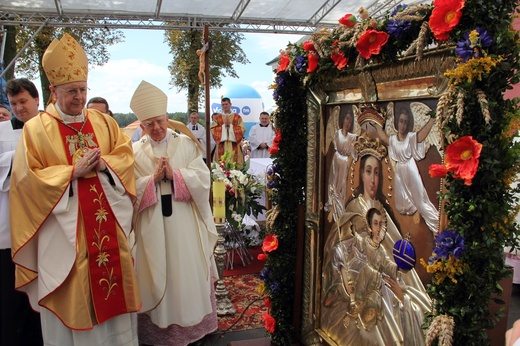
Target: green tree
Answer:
[[93, 40], [185, 66]]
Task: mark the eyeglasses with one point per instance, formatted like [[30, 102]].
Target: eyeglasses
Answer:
[[151, 124], [75, 91]]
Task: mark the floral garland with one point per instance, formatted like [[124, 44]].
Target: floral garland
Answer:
[[286, 179], [481, 157]]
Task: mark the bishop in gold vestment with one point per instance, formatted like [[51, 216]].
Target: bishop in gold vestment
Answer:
[[71, 196]]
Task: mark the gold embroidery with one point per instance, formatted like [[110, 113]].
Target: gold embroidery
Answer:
[[100, 238], [78, 144]]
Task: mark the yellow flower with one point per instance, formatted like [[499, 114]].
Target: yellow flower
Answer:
[[472, 69], [442, 269], [261, 289]]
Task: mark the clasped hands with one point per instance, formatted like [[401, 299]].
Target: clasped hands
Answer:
[[89, 161], [227, 120], [163, 170]]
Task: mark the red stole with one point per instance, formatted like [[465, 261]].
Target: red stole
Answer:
[[106, 275]]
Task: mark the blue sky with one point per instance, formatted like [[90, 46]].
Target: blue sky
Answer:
[[145, 56]]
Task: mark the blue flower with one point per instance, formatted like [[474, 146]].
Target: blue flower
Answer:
[[272, 169], [399, 8], [264, 274], [464, 51], [397, 28], [485, 38], [473, 43], [274, 287], [280, 80], [271, 184], [447, 243], [300, 62]]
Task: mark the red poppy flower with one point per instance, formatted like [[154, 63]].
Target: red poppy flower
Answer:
[[348, 20], [270, 243], [371, 42], [269, 323], [455, 4], [278, 137], [312, 59], [284, 63], [267, 302], [308, 46], [339, 60], [261, 257], [438, 171], [462, 158], [445, 16]]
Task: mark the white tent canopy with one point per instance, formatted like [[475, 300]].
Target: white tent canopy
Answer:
[[274, 16]]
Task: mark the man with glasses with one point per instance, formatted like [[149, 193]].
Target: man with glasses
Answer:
[[71, 196], [175, 231]]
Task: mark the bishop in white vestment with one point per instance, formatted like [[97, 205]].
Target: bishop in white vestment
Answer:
[[175, 231]]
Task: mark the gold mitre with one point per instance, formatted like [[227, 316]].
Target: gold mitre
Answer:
[[65, 61], [148, 101], [370, 146], [370, 113]]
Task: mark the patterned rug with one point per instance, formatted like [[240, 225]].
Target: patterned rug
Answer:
[[244, 296]]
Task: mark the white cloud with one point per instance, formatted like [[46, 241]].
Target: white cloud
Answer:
[[117, 80]]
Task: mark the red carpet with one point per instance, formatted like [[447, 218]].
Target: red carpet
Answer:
[[253, 268], [243, 293]]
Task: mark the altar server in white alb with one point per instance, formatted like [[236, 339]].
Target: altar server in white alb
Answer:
[[199, 132], [175, 230], [261, 137]]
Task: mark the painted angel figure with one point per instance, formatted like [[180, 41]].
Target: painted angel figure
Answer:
[[407, 144], [343, 140]]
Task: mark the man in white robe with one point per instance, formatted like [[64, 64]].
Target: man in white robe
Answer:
[[199, 132], [175, 230], [19, 323], [261, 137]]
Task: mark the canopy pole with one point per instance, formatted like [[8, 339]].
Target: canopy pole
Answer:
[[11, 64]]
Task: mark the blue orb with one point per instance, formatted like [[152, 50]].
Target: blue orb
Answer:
[[404, 254]]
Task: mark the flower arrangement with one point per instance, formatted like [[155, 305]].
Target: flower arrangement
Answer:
[[446, 261], [242, 189], [479, 167]]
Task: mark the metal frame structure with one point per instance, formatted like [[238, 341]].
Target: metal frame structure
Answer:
[[244, 17]]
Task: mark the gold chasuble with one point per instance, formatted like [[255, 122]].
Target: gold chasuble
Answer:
[[73, 254], [222, 146]]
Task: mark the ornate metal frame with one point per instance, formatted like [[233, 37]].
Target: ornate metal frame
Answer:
[[407, 79]]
